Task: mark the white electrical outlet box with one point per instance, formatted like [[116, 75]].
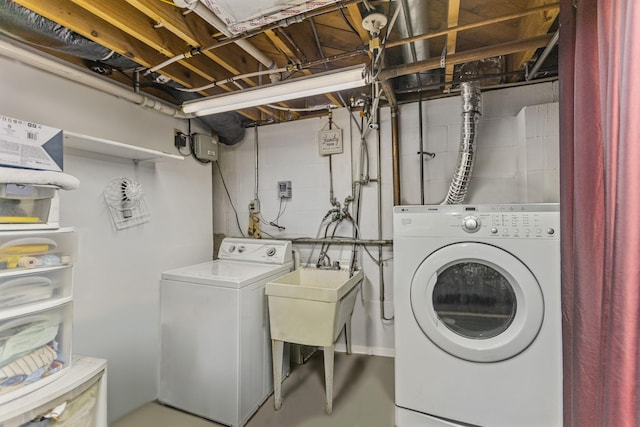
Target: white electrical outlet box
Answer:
[[284, 189], [254, 206], [205, 147]]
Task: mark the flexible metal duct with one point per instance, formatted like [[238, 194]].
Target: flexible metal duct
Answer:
[[471, 111], [23, 25]]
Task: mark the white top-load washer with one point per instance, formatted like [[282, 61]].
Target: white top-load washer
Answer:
[[215, 358], [478, 321]]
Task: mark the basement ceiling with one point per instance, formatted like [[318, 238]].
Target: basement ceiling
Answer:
[[426, 46]]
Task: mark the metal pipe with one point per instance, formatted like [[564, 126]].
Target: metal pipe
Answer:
[[467, 56], [205, 13], [472, 25], [41, 61], [255, 146], [421, 149], [395, 154], [261, 30], [543, 56], [415, 22], [380, 260], [342, 241]]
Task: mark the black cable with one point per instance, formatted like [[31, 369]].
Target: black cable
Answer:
[[230, 201], [274, 223], [349, 23]]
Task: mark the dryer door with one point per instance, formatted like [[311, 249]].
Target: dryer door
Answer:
[[477, 302]]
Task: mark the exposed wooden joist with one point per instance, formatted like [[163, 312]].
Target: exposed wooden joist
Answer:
[[88, 25], [294, 56], [482, 23], [194, 32], [467, 56], [139, 26], [356, 21], [533, 25]]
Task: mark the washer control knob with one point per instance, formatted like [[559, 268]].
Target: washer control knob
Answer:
[[241, 249], [494, 230], [550, 231], [470, 224], [271, 251], [232, 248]]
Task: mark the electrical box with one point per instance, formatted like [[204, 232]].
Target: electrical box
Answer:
[[254, 206], [205, 147], [284, 189]]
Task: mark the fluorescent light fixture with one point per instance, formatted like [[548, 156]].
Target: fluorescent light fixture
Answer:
[[316, 84]]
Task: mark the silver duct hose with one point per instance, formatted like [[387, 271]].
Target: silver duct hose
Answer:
[[471, 111]]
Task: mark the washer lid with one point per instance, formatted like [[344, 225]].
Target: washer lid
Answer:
[[231, 274], [477, 302]]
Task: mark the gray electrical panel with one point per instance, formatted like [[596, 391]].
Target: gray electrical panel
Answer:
[[205, 147], [284, 189]]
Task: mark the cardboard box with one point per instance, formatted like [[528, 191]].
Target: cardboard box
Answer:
[[30, 145]]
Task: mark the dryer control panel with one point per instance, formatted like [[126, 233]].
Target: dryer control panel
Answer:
[[256, 250], [504, 221]]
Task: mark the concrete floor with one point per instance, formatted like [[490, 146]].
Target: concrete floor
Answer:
[[363, 397]]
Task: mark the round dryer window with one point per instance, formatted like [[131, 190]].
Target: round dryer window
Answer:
[[477, 302]]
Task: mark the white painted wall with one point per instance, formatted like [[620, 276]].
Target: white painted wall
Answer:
[[116, 277], [515, 163]]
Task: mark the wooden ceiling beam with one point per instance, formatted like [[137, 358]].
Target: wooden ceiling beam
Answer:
[[196, 32], [532, 25], [356, 18], [467, 56], [139, 26], [83, 22], [485, 22], [283, 46]]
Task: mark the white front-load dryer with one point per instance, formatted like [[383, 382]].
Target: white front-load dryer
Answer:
[[478, 317]]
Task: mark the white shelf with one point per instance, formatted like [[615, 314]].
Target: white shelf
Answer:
[[77, 141]]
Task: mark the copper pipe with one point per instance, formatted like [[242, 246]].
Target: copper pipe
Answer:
[[395, 153]]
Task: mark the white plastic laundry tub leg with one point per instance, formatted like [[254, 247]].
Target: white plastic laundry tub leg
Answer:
[[328, 377], [276, 352]]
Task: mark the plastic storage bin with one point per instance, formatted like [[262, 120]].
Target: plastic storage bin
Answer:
[[25, 203], [35, 347], [84, 390], [37, 249], [20, 287]]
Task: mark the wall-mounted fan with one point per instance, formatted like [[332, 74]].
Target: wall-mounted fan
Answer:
[[125, 200]]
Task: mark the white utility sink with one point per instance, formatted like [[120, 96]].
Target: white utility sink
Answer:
[[311, 306]]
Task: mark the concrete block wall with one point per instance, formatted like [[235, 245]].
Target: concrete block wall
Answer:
[[289, 151]]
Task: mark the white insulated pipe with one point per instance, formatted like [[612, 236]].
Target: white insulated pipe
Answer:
[[39, 61]]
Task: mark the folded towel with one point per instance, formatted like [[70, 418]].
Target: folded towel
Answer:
[[34, 177], [39, 358]]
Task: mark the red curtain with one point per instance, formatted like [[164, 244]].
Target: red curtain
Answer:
[[600, 204]]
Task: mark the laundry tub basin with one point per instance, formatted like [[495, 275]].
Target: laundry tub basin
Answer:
[[310, 306]]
